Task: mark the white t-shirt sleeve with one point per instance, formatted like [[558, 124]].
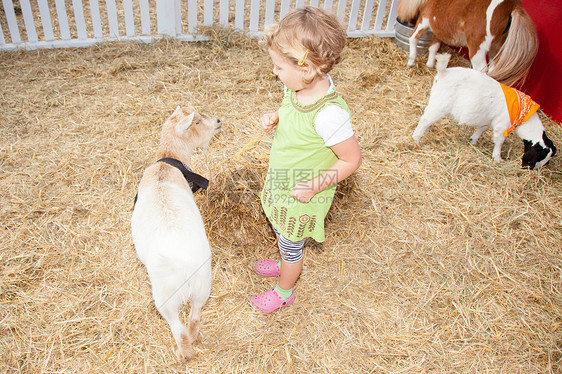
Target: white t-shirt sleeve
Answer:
[[333, 124]]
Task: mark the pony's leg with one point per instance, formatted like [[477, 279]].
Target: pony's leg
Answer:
[[433, 48], [474, 138], [494, 49], [478, 60], [479, 44], [413, 51], [421, 28]]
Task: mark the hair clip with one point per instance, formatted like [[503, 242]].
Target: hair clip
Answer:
[[303, 58]]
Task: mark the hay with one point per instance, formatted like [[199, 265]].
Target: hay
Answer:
[[437, 259]]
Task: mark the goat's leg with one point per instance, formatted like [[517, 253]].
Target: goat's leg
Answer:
[[479, 131], [431, 115], [168, 300], [498, 139], [194, 324]]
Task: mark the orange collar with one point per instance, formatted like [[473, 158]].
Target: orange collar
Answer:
[[520, 107]]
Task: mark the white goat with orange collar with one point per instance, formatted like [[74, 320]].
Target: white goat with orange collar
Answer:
[[473, 98]]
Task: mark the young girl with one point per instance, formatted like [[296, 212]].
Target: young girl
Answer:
[[314, 146]]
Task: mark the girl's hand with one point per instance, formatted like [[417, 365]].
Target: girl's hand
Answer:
[[303, 192], [269, 120], [349, 159]]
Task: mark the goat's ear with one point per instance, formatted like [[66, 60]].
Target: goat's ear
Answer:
[[549, 143], [530, 156], [184, 124]]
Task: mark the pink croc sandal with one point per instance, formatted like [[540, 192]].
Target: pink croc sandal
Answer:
[[267, 268], [269, 301]]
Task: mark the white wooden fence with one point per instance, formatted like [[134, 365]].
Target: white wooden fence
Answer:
[[78, 23]]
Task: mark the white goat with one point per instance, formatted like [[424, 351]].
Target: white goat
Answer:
[[473, 98], [167, 228]]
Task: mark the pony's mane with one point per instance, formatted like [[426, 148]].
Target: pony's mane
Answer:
[[409, 9]]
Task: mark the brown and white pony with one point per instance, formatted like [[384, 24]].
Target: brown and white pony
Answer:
[[499, 30]]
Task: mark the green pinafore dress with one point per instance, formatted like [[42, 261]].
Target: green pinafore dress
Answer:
[[299, 154]]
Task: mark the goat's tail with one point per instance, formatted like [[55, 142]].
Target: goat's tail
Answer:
[[409, 10], [514, 59], [442, 62]]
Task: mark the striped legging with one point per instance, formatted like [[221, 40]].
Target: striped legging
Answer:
[[291, 252]]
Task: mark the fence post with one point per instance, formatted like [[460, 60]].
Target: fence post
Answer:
[[12, 21], [166, 17]]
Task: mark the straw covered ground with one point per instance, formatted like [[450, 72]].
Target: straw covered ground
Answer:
[[437, 259]]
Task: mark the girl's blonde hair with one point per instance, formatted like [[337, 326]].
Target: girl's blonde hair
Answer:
[[310, 37]]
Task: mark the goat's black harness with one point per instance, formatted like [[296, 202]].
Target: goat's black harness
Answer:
[[194, 180]]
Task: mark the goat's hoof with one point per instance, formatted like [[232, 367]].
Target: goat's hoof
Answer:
[[185, 351], [185, 355]]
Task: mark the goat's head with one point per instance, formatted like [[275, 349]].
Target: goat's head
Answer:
[[539, 153], [188, 128]]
